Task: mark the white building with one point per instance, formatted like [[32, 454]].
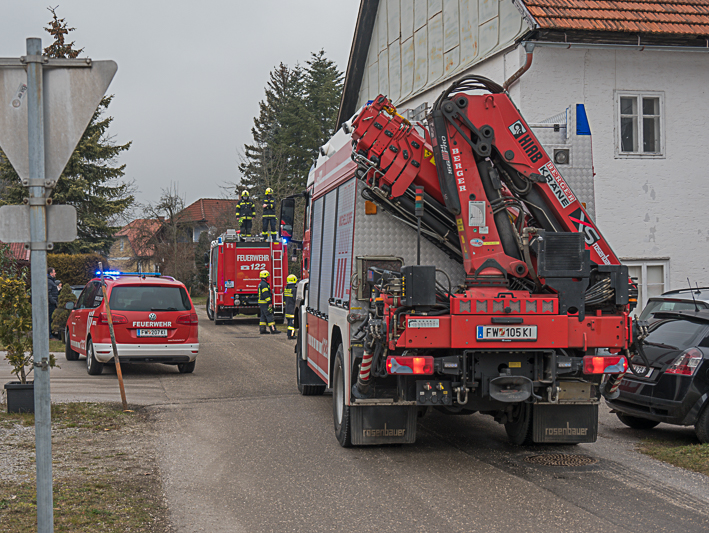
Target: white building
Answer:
[[642, 74]]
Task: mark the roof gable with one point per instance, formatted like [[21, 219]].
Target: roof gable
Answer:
[[139, 232], [207, 211]]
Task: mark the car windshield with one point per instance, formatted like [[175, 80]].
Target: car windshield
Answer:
[[150, 298], [677, 334], [656, 306]]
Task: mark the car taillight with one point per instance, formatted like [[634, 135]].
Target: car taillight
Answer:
[[613, 364], [116, 319], [189, 320], [687, 363], [410, 365]]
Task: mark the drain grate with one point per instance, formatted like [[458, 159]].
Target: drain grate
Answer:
[[560, 459]]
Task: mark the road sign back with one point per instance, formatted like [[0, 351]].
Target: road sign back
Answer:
[[71, 97]]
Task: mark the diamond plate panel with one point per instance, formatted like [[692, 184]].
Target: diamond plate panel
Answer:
[[382, 234]]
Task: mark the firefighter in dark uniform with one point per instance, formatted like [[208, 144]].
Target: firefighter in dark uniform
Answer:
[[267, 323], [269, 217], [289, 297], [245, 212]]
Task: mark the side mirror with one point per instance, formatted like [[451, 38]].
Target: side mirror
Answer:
[[69, 306], [285, 231]]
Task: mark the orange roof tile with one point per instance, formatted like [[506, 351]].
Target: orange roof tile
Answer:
[[208, 210], [139, 232], [17, 251], [676, 17]]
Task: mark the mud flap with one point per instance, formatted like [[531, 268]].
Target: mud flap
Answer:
[[307, 375], [377, 424], [564, 423]]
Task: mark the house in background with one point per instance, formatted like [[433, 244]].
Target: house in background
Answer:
[[132, 249], [641, 71], [205, 214], [17, 253]]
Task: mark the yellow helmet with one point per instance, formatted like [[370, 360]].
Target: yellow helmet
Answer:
[[245, 194], [264, 274], [292, 279], [269, 191]]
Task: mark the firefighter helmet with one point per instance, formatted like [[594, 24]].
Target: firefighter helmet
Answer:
[[264, 274], [245, 194], [269, 191], [292, 279]]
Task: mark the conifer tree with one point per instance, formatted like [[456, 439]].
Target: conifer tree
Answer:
[[90, 182], [323, 85]]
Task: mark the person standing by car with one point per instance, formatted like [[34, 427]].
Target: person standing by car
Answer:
[[267, 322], [269, 217], [53, 296], [289, 297], [245, 212]]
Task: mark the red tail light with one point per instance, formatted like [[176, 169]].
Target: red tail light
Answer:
[[189, 320], [410, 365], [614, 364], [687, 363], [117, 319]]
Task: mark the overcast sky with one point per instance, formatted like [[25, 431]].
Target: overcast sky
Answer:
[[190, 73]]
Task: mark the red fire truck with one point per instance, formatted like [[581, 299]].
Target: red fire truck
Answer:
[[234, 266], [450, 266]]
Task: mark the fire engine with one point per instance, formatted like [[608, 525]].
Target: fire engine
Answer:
[[450, 266], [234, 266]]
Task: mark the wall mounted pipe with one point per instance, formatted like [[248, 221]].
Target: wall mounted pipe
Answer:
[[529, 47]]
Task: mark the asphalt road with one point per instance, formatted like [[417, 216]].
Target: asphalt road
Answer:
[[241, 450]]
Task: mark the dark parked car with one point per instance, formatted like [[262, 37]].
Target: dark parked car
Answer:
[[677, 300], [676, 388], [76, 289]]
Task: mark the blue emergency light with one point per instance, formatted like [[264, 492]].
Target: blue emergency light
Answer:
[[119, 273]]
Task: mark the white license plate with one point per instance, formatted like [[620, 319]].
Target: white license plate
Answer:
[[639, 369], [152, 333], [507, 333]]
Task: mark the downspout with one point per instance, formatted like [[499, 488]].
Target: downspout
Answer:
[[529, 47]]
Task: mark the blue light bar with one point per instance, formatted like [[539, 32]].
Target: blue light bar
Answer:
[[119, 273]]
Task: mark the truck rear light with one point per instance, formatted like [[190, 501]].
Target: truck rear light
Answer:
[[410, 365], [687, 363], [116, 319], [189, 320], [613, 364]]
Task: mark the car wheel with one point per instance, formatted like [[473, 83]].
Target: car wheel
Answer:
[[93, 367], [340, 411], [186, 368], [210, 314], [519, 428], [702, 427], [636, 422], [69, 352], [301, 366]]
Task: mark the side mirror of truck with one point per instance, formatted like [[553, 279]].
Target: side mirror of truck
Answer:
[[285, 231]]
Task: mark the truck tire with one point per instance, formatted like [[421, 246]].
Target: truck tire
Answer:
[[210, 314], [69, 352], [93, 366], [519, 429], [636, 422], [702, 426], [301, 366], [340, 411]]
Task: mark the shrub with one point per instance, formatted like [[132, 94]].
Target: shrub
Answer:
[[75, 269], [61, 315]]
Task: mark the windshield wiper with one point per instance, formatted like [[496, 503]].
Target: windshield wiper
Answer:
[[163, 309], [660, 345]]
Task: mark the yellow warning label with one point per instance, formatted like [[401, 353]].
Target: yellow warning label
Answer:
[[515, 364], [460, 224], [428, 154], [491, 243]]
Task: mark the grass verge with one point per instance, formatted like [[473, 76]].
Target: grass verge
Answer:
[[688, 455], [104, 471]]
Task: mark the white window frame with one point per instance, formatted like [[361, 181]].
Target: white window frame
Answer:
[[620, 154], [664, 262]]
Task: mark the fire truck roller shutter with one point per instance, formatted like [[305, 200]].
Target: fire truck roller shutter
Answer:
[[315, 249], [328, 250]]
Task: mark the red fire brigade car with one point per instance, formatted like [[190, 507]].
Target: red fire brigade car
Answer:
[[154, 321]]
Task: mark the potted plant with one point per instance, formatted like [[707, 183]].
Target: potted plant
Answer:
[[16, 337]]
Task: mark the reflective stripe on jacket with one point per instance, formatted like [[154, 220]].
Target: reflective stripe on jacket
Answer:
[[246, 209], [289, 297], [264, 293], [269, 208]]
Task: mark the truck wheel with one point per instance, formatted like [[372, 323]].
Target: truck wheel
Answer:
[[702, 427], [519, 429], [210, 314], [69, 352], [301, 366], [93, 367], [340, 411], [636, 422]]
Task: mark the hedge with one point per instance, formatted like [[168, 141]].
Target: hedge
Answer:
[[75, 269]]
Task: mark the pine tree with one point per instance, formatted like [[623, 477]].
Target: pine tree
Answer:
[[90, 182], [323, 85]]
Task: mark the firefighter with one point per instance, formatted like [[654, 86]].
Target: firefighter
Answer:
[[245, 212], [269, 217], [267, 323], [289, 297]]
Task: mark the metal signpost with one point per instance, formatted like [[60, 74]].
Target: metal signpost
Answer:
[[53, 100]]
